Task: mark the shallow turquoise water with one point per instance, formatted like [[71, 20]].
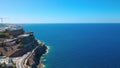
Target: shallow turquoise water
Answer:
[[80, 45]]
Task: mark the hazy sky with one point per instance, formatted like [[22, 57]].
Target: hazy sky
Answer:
[[60, 11]]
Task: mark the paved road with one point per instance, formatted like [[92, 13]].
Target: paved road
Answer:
[[31, 53], [20, 61]]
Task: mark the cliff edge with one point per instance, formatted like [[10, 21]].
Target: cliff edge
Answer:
[[21, 47]]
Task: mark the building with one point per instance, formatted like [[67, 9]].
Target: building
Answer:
[[4, 59]]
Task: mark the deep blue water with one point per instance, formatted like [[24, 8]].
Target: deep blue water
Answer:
[[80, 45]]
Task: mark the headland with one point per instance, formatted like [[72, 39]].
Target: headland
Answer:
[[20, 49]]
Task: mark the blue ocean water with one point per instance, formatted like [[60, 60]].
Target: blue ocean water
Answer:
[[80, 45]]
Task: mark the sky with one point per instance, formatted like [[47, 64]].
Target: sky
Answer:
[[60, 11]]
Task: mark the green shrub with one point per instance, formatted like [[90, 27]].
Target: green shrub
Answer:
[[3, 64], [42, 44]]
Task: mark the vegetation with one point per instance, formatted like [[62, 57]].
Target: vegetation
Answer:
[[3, 65], [14, 66], [9, 36], [4, 34], [19, 41], [4, 31], [42, 44]]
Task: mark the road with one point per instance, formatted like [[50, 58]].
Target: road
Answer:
[[21, 61], [31, 53], [39, 42]]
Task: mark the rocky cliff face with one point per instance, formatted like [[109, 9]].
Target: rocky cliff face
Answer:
[[18, 48], [23, 50], [35, 59], [15, 33], [19, 44]]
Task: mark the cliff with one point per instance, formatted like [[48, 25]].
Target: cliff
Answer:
[[15, 42], [35, 59]]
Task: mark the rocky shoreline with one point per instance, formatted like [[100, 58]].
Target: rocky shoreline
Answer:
[[41, 65], [35, 59]]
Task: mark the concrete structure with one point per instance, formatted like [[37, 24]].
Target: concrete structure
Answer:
[[4, 59]]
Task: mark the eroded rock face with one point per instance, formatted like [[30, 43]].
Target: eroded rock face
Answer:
[[19, 44], [17, 50], [24, 49], [8, 50], [34, 60], [15, 33]]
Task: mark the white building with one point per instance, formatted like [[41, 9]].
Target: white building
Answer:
[[4, 59]]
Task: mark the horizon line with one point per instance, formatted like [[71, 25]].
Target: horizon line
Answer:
[[68, 23]]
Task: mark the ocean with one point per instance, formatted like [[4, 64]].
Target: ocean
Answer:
[[82, 45]]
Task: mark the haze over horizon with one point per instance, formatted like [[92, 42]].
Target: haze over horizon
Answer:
[[60, 11]]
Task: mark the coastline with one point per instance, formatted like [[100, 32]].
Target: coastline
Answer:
[[41, 65]]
